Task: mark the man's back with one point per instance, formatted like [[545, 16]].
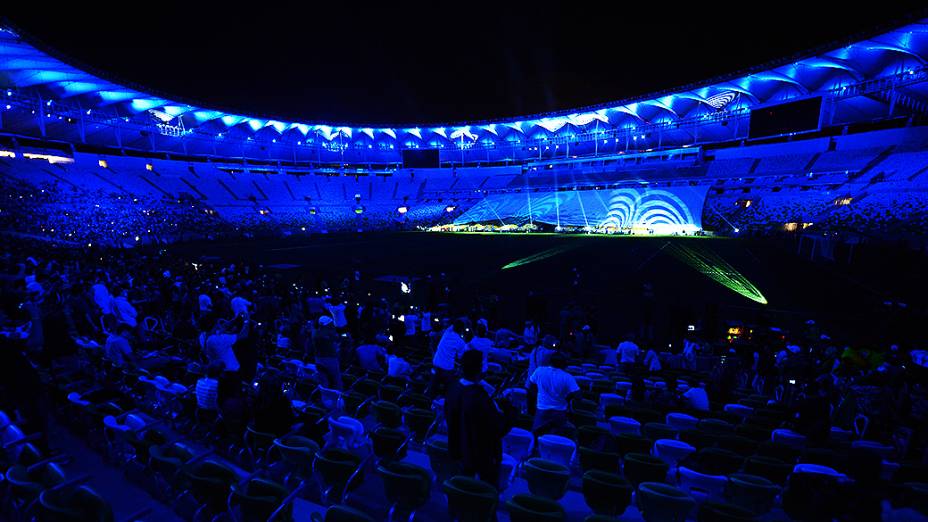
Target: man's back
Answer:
[[554, 385], [219, 348], [475, 425], [117, 349], [369, 356], [449, 348], [628, 352]]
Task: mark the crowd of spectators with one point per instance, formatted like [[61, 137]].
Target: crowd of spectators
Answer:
[[229, 331]]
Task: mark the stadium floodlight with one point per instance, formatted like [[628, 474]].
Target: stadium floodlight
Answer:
[[450, 208], [402, 209]]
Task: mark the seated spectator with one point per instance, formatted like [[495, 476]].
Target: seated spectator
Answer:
[[697, 398], [398, 367], [371, 356]]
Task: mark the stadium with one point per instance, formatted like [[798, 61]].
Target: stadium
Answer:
[[706, 302]]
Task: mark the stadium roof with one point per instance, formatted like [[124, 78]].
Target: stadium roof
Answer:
[[26, 70]]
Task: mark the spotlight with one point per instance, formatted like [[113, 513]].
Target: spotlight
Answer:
[[449, 208], [403, 209]]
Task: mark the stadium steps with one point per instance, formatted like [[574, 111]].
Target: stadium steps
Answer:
[[289, 190], [111, 182], [874, 162], [62, 179], [258, 188], [199, 194], [156, 187], [808, 166], [754, 166], [918, 173], [229, 190]]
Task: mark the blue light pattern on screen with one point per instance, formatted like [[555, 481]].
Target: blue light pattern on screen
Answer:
[[621, 208]]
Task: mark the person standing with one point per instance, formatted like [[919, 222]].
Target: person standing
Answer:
[[450, 347], [481, 343], [627, 354], [551, 389], [326, 343], [476, 425]]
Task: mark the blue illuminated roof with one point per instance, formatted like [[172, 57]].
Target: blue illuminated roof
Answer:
[[25, 68]]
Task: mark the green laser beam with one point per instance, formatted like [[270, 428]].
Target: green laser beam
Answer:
[[544, 254], [714, 267]]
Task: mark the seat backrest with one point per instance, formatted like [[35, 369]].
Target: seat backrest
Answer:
[[696, 483], [518, 443], [557, 448], [681, 421], [469, 498], [818, 469]]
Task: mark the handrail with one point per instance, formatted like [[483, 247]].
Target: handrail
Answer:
[[287, 501]]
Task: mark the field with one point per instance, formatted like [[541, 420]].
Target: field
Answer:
[[694, 281]]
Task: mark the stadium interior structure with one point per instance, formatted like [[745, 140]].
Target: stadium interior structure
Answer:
[[178, 210], [81, 136]]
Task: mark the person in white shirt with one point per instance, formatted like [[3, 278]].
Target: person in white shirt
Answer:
[[450, 347], [551, 389], [124, 311], [397, 366], [690, 348], [697, 398], [411, 322], [426, 320], [627, 353], [337, 311], [481, 343], [218, 345], [102, 298], [205, 303], [652, 361], [239, 305], [530, 334]]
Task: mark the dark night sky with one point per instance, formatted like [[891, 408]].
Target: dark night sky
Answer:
[[399, 62]]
